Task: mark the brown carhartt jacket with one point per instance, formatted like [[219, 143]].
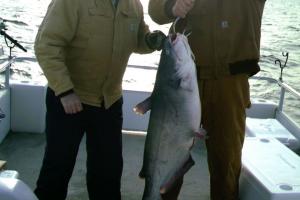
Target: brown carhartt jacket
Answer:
[[84, 45], [225, 34]]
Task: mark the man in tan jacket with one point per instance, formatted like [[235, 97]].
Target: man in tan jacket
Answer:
[[225, 39], [83, 48]]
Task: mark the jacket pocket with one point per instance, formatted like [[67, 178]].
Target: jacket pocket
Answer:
[[95, 11], [130, 28], [100, 22]]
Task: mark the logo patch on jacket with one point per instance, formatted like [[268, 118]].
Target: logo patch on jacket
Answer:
[[133, 27], [224, 24]]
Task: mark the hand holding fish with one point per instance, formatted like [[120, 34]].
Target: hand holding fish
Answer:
[[182, 7]]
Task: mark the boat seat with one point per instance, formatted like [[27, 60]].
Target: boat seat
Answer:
[[271, 127], [15, 189], [261, 108], [270, 170], [28, 108]]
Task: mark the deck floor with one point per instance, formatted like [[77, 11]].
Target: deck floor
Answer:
[[24, 152]]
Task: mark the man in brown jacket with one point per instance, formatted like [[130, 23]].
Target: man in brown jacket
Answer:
[[225, 40], [83, 47]]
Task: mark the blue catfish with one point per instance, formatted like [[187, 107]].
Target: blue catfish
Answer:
[[174, 119]]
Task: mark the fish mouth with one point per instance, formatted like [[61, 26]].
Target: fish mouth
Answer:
[[173, 38]]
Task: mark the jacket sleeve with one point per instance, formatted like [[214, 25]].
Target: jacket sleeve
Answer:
[[55, 34], [143, 29], [160, 11], [142, 46]]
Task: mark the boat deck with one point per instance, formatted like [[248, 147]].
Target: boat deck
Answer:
[[24, 152]]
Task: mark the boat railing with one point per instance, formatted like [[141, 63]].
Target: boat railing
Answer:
[[10, 43], [285, 87], [5, 66], [283, 117]]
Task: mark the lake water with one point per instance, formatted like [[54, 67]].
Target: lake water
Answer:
[[280, 33]]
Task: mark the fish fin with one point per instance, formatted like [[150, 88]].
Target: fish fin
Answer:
[[180, 173], [186, 84], [201, 133], [143, 107]]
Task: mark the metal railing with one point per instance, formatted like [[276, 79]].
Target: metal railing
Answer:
[[287, 121], [10, 43], [285, 87], [6, 67]]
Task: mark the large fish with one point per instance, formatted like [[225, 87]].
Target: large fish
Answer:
[[174, 119]]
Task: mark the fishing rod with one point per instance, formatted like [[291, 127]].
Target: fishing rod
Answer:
[[8, 37], [14, 43]]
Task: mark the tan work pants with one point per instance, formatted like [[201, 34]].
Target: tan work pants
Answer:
[[224, 102]]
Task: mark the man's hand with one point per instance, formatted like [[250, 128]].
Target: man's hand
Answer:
[[182, 7], [155, 40], [71, 103]]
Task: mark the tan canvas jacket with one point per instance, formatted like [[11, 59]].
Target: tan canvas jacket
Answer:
[[225, 34], [84, 45]]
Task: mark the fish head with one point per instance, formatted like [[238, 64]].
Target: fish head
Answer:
[[177, 61]]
